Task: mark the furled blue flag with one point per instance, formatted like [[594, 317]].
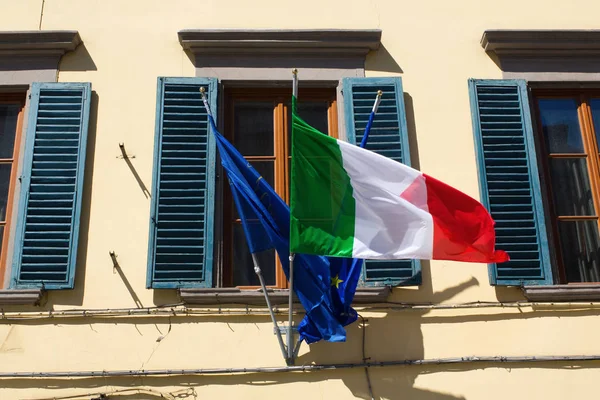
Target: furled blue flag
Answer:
[[325, 286]]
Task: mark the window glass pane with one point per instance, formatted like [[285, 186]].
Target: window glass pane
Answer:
[[253, 128], [4, 183], [595, 106], [580, 252], [243, 266], [315, 113], [560, 125], [571, 186], [8, 127], [1, 239]]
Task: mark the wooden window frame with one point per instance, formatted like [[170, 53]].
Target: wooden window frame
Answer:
[[590, 147], [280, 96], [18, 99]]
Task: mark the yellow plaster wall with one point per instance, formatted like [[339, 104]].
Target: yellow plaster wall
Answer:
[[435, 47]]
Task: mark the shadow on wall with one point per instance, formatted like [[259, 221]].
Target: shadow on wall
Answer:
[[397, 336], [382, 61], [77, 60], [389, 382]]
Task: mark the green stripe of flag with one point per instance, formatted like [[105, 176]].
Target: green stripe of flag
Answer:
[[322, 207]]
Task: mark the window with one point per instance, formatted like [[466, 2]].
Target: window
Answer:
[[539, 170], [567, 123], [11, 120], [185, 232], [50, 186], [258, 123]]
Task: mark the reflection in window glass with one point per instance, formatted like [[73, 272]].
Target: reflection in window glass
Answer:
[[560, 125], [8, 128]]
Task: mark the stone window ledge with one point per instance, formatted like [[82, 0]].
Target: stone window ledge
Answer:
[[277, 296], [577, 292], [20, 296]]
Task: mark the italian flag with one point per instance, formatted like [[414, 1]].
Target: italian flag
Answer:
[[350, 202]]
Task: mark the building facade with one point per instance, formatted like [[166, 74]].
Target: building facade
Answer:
[[124, 268]]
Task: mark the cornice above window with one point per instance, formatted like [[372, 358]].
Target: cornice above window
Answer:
[[545, 55], [269, 55], [33, 56], [326, 42], [38, 43]]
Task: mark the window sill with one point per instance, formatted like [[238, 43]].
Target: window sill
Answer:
[[20, 296], [578, 292], [276, 296]]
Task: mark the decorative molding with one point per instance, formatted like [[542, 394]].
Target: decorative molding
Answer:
[[545, 55], [578, 292], [38, 43], [269, 55], [33, 56], [276, 296], [542, 43], [324, 42], [21, 296]]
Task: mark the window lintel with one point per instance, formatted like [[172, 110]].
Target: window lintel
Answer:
[[38, 43], [305, 42]]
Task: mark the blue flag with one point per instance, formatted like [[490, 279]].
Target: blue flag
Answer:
[[325, 286]]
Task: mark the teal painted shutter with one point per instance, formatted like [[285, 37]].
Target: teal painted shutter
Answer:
[[47, 232], [509, 180], [180, 252], [388, 137]]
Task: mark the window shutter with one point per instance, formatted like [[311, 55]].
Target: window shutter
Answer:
[[47, 231], [509, 180], [180, 250], [388, 137]]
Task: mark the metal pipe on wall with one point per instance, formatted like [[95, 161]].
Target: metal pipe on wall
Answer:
[[184, 311], [299, 368]]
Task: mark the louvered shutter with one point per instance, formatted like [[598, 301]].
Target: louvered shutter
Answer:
[[181, 225], [509, 180], [388, 137], [47, 232]]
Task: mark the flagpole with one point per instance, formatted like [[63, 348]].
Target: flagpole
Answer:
[[365, 137], [257, 268], [258, 272], [290, 332]]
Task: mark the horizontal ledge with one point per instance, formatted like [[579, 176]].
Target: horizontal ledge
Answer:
[[276, 296], [541, 43], [572, 292], [272, 41], [20, 296], [40, 43]]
